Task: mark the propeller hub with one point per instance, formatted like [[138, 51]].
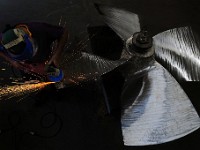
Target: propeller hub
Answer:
[[141, 41], [140, 44]]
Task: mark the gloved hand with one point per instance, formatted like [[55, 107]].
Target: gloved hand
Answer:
[[54, 74], [52, 70]]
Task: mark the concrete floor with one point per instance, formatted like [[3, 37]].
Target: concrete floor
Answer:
[[71, 118]]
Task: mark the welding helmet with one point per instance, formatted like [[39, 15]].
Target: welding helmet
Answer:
[[18, 43]]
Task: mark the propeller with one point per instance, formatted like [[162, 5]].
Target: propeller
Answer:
[[83, 66], [155, 109], [159, 113], [123, 22], [178, 49]]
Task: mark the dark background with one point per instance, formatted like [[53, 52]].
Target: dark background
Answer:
[[75, 118]]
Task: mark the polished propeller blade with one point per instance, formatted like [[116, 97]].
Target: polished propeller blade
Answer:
[[155, 109], [84, 66], [178, 50], [123, 22]]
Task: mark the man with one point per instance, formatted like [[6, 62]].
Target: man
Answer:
[[28, 46]]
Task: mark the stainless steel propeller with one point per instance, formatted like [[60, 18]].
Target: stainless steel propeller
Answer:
[[155, 109], [120, 20], [179, 50], [82, 66], [160, 112]]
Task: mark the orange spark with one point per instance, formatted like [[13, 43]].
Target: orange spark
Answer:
[[21, 90]]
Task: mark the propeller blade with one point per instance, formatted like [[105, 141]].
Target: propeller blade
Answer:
[[86, 66], [123, 22], [155, 109], [178, 50]]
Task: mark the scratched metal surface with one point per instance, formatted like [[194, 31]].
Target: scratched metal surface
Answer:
[[123, 22], [160, 111], [85, 66], [179, 50]]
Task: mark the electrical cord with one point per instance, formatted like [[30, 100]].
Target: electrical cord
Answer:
[[56, 119], [14, 125]]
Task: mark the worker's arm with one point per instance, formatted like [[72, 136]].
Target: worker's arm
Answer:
[[14, 63], [55, 59]]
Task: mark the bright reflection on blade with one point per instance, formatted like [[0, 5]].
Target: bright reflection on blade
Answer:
[[161, 111], [21, 90], [178, 49]]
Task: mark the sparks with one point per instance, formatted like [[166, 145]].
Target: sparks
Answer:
[[9, 92]]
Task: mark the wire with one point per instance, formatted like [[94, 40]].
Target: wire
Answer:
[[15, 123], [56, 118]]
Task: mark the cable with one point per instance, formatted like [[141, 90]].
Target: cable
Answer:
[[56, 117]]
